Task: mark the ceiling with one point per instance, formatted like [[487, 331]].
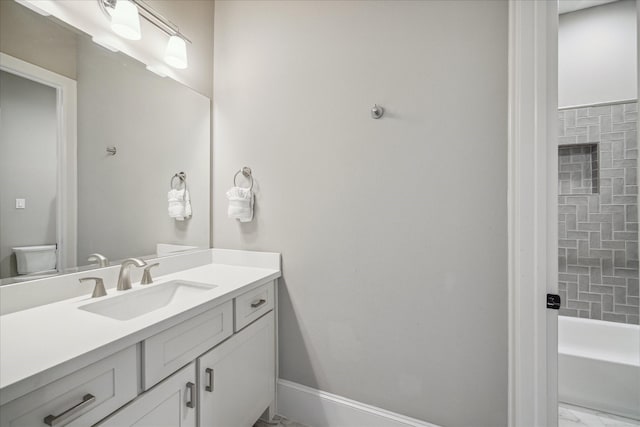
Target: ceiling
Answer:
[[565, 6]]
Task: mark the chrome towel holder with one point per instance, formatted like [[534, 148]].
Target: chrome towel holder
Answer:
[[246, 172], [182, 177]]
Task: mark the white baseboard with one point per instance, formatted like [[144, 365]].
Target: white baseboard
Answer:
[[317, 408]]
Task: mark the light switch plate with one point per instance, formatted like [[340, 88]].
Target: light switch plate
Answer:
[[21, 203]]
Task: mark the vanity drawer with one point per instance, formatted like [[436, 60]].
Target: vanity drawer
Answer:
[[173, 348], [253, 304], [79, 399]]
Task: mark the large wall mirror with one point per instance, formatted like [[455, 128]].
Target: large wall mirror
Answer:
[[64, 194]]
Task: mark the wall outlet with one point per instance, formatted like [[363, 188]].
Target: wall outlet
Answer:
[[21, 203]]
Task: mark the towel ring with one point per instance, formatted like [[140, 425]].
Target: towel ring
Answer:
[[246, 172], [181, 176]]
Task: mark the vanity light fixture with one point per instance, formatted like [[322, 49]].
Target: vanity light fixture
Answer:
[[125, 21], [176, 53]]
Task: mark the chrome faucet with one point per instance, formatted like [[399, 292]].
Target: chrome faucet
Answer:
[[100, 259], [124, 279]]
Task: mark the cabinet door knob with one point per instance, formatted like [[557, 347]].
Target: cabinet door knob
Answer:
[[192, 391], [209, 386], [54, 420]]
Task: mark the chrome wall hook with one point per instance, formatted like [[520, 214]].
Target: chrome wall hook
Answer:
[[111, 151], [377, 111]]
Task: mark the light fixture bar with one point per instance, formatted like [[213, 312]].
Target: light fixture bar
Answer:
[[160, 21], [148, 13]]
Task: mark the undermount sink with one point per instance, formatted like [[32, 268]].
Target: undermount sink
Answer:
[[138, 302]]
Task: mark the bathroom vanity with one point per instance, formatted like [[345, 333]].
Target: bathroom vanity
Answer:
[[196, 347]]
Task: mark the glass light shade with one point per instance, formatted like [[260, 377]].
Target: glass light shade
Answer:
[[125, 20], [176, 53]]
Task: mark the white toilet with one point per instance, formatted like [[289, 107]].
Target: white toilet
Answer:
[[36, 259]]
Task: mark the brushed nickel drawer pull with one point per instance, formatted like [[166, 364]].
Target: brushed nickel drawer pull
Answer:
[[257, 304], [54, 420], [209, 386], [191, 387]]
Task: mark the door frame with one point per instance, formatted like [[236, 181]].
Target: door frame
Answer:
[[532, 188], [66, 173]]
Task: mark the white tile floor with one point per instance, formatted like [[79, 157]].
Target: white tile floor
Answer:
[[575, 416]]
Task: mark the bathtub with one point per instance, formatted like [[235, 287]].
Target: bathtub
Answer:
[[599, 365]]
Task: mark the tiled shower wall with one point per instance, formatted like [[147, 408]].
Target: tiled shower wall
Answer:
[[598, 212]]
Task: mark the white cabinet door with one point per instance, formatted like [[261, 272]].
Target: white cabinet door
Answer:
[[172, 403], [236, 380]]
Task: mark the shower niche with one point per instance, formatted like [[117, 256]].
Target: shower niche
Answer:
[[578, 171]]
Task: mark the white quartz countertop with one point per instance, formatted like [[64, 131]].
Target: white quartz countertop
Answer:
[[41, 344]]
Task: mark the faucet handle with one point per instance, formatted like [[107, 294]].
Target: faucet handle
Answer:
[[99, 258], [146, 274], [98, 290]]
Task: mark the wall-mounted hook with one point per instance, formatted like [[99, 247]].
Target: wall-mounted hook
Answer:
[[377, 111], [111, 151]]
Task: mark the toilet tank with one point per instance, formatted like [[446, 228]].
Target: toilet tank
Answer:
[[35, 259]]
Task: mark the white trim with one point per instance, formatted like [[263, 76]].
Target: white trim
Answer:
[[532, 217], [599, 104], [67, 189], [317, 408], [276, 308]]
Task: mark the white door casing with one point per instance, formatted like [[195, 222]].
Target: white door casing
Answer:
[[67, 188], [533, 344]]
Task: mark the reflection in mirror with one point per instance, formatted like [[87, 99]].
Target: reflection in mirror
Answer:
[[120, 209], [28, 171]]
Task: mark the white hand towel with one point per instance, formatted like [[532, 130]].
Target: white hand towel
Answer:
[[179, 204], [240, 204], [187, 204], [175, 195]]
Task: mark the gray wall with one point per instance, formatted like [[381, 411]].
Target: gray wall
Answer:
[[28, 147], [195, 19], [159, 127], [597, 54], [26, 35], [394, 231], [598, 231]]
